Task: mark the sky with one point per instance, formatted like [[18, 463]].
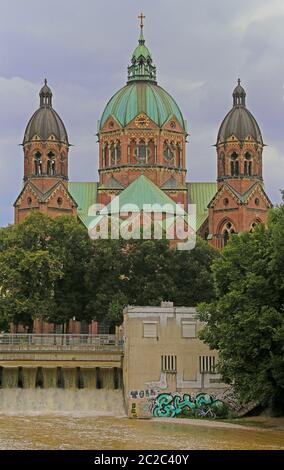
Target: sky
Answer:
[[83, 48]]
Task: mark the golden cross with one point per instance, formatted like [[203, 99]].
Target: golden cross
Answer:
[[141, 18]]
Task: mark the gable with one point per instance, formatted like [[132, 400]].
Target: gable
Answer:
[[139, 193], [142, 122], [173, 125], [226, 197], [111, 125]]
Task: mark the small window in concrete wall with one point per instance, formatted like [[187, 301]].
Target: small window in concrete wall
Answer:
[[150, 329], [169, 363], [207, 364], [188, 330]]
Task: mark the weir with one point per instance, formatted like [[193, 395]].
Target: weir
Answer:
[[61, 374], [68, 378]]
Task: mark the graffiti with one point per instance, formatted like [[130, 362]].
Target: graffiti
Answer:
[[149, 393], [168, 405], [133, 410], [230, 397]]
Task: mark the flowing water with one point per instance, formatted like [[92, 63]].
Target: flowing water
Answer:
[[54, 408]]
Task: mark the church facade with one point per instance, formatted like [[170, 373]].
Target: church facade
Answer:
[[142, 138]]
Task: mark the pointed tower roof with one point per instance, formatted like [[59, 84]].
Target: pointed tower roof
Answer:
[[45, 122], [142, 67], [45, 95], [239, 121], [239, 95]]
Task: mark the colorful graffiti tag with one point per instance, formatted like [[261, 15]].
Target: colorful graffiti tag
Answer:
[[168, 405]]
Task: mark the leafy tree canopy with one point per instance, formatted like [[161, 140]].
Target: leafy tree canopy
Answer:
[[246, 322], [42, 268]]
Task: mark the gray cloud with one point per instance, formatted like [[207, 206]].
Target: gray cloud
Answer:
[[84, 47]]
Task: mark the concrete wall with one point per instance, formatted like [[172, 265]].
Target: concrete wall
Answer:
[[144, 371]]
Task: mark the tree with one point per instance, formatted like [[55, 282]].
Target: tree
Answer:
[[145, 272], [42, 269], [246, 324], [192, 274]]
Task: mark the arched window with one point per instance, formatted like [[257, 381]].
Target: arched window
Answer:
[[254, 225], [234, 164], [142, 152], [38, 164], [169, 152], [62, 158], [115, 154], [222, 164], [227, 230], [179, 155], [248, 164], [51, 164]]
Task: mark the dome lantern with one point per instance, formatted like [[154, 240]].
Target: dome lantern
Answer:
[[45, 122], [239, 95], [141, 68], [239, 122], [45, 95]]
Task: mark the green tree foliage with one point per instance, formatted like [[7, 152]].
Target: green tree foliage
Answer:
[[42, 268], [50, 269], [145, 272], [246, 322]]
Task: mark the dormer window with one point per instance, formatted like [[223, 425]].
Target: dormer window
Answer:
[[234, 164]]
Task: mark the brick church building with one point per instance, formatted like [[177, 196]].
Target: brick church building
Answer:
[[142, 138]]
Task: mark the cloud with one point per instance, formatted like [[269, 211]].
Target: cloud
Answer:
[[84, 48]]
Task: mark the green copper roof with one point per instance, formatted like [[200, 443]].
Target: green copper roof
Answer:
[[142, 97], [201, 194], [142, 67], [85, 194], [142, 191], [142, 94]]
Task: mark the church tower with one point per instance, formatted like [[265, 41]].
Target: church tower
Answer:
[[240, 202], [142, 132], [46, 148]]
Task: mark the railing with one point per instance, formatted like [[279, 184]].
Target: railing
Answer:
[[54, 341]]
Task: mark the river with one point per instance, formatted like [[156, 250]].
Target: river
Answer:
[[82, 419]]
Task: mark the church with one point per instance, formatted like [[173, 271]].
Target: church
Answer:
[[142, 136]]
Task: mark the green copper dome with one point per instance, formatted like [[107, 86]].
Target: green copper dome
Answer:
[[142, 94], [142, 97]]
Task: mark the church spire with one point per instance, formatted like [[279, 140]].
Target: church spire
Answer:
[[141, 68], [45, 95], [141, 38], [239, 95]]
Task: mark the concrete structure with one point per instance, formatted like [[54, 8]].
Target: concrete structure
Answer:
[[60, 361], [163, 355]]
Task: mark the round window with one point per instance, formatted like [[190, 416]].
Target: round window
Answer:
[[60, 201]]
